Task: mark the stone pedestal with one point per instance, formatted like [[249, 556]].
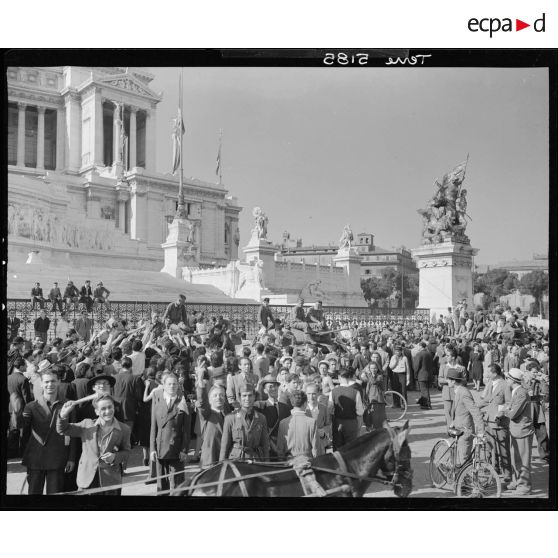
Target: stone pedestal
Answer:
[[262, 250], [178, 251], [445, 276], [350, 260]]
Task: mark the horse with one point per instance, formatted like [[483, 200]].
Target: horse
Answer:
[[345, 473]]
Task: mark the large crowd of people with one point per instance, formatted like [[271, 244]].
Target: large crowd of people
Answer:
[[187, 389]]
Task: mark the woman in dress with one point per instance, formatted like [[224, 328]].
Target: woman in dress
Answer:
[[476, 366], [375, 404]]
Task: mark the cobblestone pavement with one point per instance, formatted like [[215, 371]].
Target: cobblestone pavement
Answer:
[[426, 428]]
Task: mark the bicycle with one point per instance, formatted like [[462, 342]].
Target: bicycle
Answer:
[[474, 478], [396, 406]]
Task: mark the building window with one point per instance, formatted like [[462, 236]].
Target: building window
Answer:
[[50, 139], [31, 125], [12, 133], [140, 138]]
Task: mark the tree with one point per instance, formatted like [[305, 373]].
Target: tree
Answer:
[[377, 288], [535, 284], [494, 283]]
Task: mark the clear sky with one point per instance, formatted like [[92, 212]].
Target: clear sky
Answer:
[[317, 148]]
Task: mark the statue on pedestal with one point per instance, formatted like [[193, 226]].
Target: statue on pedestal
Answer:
[[346, 238], [259, 232], [444, 218]]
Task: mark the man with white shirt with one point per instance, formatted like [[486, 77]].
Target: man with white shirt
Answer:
[[138, 358], [319, 413], [170, 434], [298, 434]]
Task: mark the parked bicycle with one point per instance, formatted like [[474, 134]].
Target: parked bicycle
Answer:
[[474, 478]]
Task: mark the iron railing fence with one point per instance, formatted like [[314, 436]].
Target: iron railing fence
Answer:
[[241, 316]]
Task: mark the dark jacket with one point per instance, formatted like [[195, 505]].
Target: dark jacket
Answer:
[[176, 313], [170, 429], [423, 365], [46, 449], [211, 426], [41, 325], [129, 391]]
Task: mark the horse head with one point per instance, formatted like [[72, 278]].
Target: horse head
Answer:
[[397, 460]]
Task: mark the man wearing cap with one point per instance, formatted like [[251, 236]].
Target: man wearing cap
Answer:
[[273, 410], [265, 315], [465, 414], [298, 434], [245, 434], [498, 396], [84, 327], [176, 311], [86, 295], [47, 454], [520, 413]]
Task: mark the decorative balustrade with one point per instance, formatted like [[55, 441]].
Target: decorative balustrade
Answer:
[[241, 316]]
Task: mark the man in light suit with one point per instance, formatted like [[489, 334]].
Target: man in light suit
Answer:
[[520, 413], [105, 445], [319, 413], [170, 434], [298, 434], [236, 382], [84, 327], [465, 414], [498, 395]]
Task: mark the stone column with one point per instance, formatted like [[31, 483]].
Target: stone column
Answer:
[[150, 130], [98, 136], [60, 139], [133, 138], [41, 139], [116, 130], [21, 134], [122, 196], [73, 132]]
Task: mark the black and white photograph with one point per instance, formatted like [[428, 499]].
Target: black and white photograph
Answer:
[[237, 276]]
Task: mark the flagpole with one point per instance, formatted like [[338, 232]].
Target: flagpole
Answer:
[[181, 209], [220, 155]]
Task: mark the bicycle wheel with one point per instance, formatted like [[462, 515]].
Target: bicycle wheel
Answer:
[[396, 406], [441, 462], [478, 481]]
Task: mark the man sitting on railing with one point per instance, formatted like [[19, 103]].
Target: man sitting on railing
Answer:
[[101, 294], [71, 295], [37, 296]]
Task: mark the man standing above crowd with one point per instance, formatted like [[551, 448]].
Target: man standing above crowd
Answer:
[[176, 311], [265, 314], [298, 317], [84, 327], [86, 295], [315, 315], [37, 296], [41, 325], [55, 297]]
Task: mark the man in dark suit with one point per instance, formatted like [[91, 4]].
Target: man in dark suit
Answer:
[[128, 390], [86, 295], [47, 455], [71, 295], [170, 434], [20, 394], [212, 411], [273, 410], [37, 296], [14, 325], [423, 365], [55, 297], [41, 325]]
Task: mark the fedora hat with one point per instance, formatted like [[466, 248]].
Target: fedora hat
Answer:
[[44, 365], [515, 374], [269, 379], [110, 379]]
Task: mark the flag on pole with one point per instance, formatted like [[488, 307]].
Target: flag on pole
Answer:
[[177, 133], [218, 166]]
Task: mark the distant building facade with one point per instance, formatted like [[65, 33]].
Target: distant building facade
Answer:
[[374, 259], [82, 181]]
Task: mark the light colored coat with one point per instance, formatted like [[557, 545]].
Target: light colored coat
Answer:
[[298, 435], [465, 412]]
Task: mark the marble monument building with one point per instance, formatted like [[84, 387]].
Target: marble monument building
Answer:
[[83, 187]]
